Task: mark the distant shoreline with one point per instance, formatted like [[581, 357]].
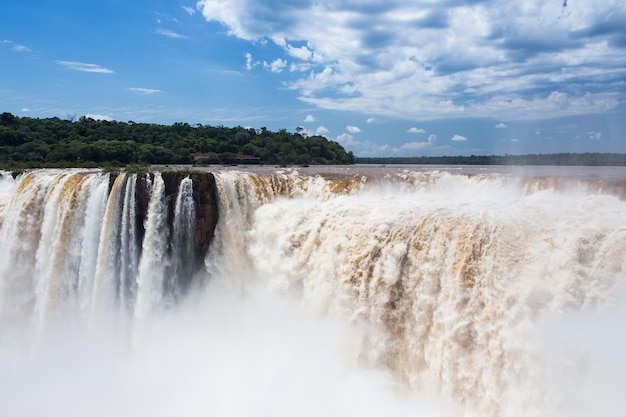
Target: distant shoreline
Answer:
[[558, 159]]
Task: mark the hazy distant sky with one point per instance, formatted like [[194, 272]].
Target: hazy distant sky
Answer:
[[382, 77]]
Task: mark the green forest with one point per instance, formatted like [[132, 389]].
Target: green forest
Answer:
[[53, 142]]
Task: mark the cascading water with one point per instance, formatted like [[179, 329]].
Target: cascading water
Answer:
[[74, 245], [93, 217], [129, 250], [486, 294], [107, 274], [153, 264], [183, 241]]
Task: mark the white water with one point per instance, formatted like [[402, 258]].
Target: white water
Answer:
[[153, 264], [183, 243], [107, 274], [129, 252], [427, 294]]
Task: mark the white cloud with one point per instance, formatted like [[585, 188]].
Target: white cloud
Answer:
[[98, 116], [26, 109], [458, 138], [417, 146], [302, 53], [189, 10], [371, 120], [363, 148], [416, 130], [145, 90], [345, 139], [250, 62], [170, 34], [414, 146], [421, 60], [501, 126], [276, 66], [21, 48], [299, 67], [321, 130], [81, 66], [594, 135], [353, 129], [309, 119]]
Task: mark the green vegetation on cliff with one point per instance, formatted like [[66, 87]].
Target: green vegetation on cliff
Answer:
[[32, 142]]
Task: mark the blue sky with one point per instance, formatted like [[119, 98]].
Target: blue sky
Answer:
[[382, 77]]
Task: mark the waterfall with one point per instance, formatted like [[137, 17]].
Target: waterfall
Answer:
[[22, 218], [94, 217], [58, 257], [408, 291], [457, 272], [238, 199], [129, 251], [183, 241], [153, 264], [107, 274]]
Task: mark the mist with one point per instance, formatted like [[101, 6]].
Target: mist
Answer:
[[217, 354]]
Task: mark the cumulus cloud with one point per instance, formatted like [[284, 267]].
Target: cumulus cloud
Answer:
[[302, 53], [517, 61], [345, 139], [416, 130], [81, 66], [501, 126], [458, 138], [353, 129], [418, 146], [364, 148], [321, 130], [309, 118], [250, 62], [299, 67], [276, 66], [414, 146], [145, 90]]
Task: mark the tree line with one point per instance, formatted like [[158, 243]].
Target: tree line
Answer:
[[54, 142], [559, 159]]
